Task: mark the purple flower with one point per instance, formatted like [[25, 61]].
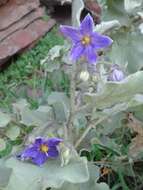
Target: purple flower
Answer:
[[85, 41], [41, 150], [116, 74]]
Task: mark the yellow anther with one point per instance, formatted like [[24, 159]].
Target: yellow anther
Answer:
[[44, 148], [86, 40]]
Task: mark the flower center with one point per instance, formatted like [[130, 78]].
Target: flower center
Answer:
[[44, 148], [86, 40]]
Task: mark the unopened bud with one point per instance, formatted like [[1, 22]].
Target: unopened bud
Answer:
[[84, 76], [116, 74]]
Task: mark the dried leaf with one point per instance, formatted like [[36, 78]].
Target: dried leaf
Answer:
[[136, 147]]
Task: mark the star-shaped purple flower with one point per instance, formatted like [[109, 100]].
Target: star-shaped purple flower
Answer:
[[85, 41], [41, 150]]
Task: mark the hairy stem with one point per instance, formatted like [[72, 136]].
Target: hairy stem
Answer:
[[87, 131], [72, 102]]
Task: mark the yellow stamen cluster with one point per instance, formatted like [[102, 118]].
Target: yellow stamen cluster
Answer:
[[44, 148], [86, 40]]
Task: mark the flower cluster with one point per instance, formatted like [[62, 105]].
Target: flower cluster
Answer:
[[41, 150], [85, 41]]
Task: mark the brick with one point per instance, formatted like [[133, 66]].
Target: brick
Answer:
[[22, 23], [23, 38], [14, 10]]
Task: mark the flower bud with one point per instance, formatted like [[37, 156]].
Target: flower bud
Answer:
[[116, 74], [84, 76]]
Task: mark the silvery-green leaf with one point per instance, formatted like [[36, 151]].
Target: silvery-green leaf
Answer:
[[114, 9], [90, 184], [80, 121], [27, 176], [127, 50], [2, 144], [113, 93], [107, 26], [111, 124], [60, 103], [5, 174], [13, 132], [57, 78], [4, 119], [133, 102], [55, 52], [20, 105], [36, 117], [52, 61], [60, 111], [77, 7], [101, 186], [141, 28], [132, 5]]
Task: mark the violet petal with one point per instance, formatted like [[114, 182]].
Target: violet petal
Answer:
[[90, 54], [53, 141], [40, 159], [53, 152], [100, 41], [86, 26], [71, 32], [77, 51]]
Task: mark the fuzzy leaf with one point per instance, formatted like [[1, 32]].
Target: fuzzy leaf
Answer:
[[4, 119], [27, 176], [60, 103], [127, 51], [36, 117], [5, 174], [77, 7], [132, 5], [107, 26], [90, 184], [132, 103], [2, 144], [13, 132], [113, 93], [115, 10]]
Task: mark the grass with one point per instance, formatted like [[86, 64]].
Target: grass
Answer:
[[23, 71]]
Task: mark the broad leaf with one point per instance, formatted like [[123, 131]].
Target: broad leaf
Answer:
[[27, 176], [127, 51], [2, 144], [77, 7], [107, 26], [36, 117], [91, 184], [60, 103], [113, 93], [13, 132], [4, 119], [132, 5], [5, 174], [128, 105], [115, 10]]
